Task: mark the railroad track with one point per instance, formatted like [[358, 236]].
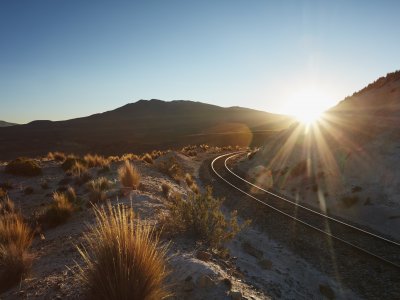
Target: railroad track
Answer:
[[370, 244]]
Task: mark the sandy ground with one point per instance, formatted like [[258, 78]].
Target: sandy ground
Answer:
[[257, 268]]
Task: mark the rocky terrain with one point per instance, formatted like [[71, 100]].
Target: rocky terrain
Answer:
[[255, 268], [347, 164]]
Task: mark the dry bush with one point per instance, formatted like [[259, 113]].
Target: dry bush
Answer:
[[3, 194], [165, 188], [200, 217], [24, 167], [44, 185], [7, 185], [156, 154], [129, 156], [15, 240], [349, 201], [6, 206], [28, 190], [97, 189], [147, 158], [70, 161], [57, 156], [129, 176], [171, 168], [123, 258], [195, 189], [189, 179], [95, 161], [80, 172], [204, 147], [58, 212]]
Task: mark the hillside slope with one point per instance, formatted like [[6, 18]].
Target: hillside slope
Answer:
[[6, 124], [348, 164], [141, 126]]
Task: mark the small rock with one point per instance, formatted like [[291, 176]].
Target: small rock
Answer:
[[205, 281], [265, 264], [188, 286], [251, 250], [236, 295], [203, 255], [227, 282], [327, 291]]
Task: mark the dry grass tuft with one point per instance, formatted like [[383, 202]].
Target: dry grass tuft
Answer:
[[129, 176], [96, 161], [147, 158], [97, 189], [15, 240], [200, 217], [23, 167], [123, 257], [166, 189], [171, 168], [80, 172], [60, 210], [57, 156]]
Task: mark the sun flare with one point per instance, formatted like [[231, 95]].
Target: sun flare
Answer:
[[307, 106]]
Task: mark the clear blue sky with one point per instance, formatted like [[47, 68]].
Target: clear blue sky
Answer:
[[62, 58]]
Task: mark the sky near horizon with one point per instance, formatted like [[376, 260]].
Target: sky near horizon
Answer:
[[61, 59]]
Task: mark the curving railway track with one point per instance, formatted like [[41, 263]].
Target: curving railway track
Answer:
[[369, 244]]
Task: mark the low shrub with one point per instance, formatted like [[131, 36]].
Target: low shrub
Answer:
[[3, 194], [57, 156], [97, 189], [23, 167], [70, 161], [129, 176], [349, 201], [58, 212], [44, 185], [171, 168], [15, 240], [299, 169], [195, 189], [95, 160], [123, 258], [28, 190], [80, 173], [147, 158], [189, 179], [356, 189], [200, 217], [7, 185], [165, 188]]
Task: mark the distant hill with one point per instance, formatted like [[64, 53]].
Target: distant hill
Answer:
[[142, 126], [6, 124]]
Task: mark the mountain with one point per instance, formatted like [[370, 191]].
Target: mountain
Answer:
[[142, 126], [347, 164], [6, 124]]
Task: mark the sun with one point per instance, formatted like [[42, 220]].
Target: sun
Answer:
[[308, 117], [307, 106]]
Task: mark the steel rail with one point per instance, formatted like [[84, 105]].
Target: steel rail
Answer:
[[310, 210]]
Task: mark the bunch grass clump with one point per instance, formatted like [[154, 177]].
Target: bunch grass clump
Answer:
[[123, 258], [200, 217], [57, 156], [129, 176], [171, 168], [23, 166], [15, 240], [96, 161], [97, 189], [147, 158], [60, 210]]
